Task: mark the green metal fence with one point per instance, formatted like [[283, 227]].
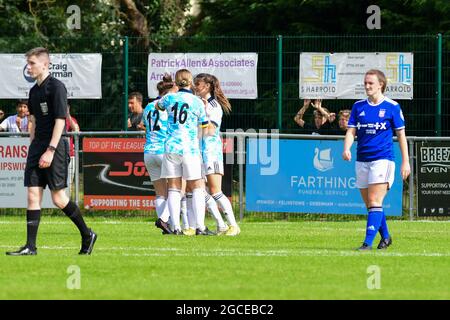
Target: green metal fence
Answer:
[[124, 69]]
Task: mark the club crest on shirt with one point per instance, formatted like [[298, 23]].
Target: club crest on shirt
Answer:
[[44, 108], [381, 113]]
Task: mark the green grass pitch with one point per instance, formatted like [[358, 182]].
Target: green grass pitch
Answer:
[[269, 260]]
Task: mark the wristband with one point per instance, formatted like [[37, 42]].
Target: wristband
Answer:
[[51, 148]]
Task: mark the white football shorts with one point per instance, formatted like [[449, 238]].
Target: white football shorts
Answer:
[[187, 166], [213, 167], [379, 171], [153, 163]]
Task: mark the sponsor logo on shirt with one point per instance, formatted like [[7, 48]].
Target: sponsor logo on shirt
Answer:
[[44, 108], [372, 128]]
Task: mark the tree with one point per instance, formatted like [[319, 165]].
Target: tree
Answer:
[[41, 20], [292, 17], [102, 25]]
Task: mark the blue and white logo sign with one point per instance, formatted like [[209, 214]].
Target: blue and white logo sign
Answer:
[[312, 177], [340, 75], [322, 159]]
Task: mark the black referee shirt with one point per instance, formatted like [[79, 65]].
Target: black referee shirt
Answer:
[[46, 103]]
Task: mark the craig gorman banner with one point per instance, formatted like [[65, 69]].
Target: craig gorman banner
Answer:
[[341, 75], [80, 72], [235, 71]]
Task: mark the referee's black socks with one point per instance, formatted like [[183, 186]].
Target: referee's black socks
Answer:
[[73, 212], [33, 218]]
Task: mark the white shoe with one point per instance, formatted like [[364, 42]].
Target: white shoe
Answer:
[[222, 231], [233, 231], [189, 232]]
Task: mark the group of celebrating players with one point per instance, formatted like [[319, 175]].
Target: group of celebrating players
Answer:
[[183, 150]]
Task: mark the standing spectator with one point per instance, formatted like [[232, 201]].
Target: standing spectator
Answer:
[[48, 156], [71, 126], [374, 120], [334, 126], [19, 121], [321, 115], [135, 106], [344, 116]]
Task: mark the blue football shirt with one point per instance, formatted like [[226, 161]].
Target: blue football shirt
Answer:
[[375, 124]]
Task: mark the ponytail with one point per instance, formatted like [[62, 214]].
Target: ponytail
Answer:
[[215, 90], [218, 94], [165, 85], [183, 78]]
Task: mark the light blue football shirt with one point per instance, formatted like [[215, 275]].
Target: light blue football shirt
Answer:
[[186, 112], [155, 122]]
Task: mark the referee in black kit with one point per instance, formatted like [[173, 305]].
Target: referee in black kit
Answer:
[[48, 154]]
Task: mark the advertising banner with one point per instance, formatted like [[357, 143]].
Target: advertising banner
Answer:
[[236, 71], [81, 74], [13, 160], [341, 75], [115, 176], [310, 177], [433, 178]]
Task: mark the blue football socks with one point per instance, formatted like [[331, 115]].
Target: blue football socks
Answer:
[[384, 231], [374, 219]]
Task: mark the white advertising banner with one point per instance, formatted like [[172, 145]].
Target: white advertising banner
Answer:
[[236, 71], [13, 159], [341, 75], [80, 72]]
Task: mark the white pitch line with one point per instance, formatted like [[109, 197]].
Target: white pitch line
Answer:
[[169, 252], [300, 228], [297, 254]]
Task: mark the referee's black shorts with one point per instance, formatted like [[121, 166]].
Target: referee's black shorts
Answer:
[[54, 176]]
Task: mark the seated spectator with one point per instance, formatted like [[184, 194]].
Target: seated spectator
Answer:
[[321, 118], [2, 115], [18, 122], [136, 111]]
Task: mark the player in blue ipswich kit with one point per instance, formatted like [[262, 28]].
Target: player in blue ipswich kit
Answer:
[[182, 157], [373, 121], [155, 122], [207, 86]]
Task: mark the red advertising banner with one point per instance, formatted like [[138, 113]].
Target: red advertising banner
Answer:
[[115, 177]]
